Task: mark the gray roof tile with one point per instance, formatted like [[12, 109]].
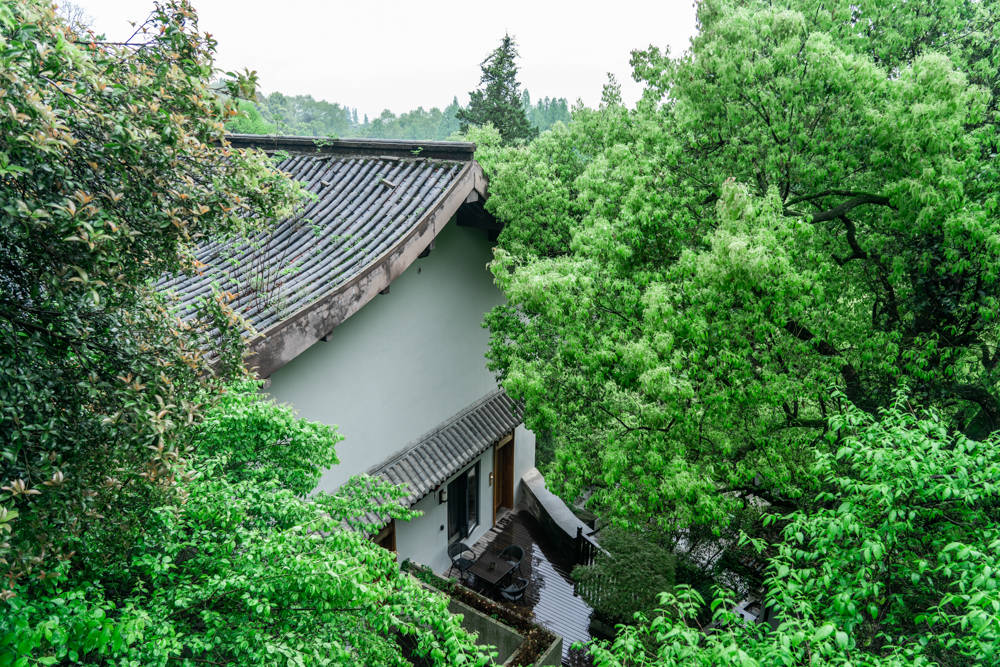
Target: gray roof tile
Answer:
[[369, 194], [429, 461]]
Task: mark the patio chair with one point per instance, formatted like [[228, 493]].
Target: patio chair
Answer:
[[515, 591], [456, 552], [513, 554]]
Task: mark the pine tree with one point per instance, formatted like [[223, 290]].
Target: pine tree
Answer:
[[498, 100]]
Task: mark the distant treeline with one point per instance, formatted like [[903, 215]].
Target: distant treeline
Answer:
[[302, 115]]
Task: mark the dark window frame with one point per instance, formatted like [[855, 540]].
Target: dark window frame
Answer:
[[464, 503]]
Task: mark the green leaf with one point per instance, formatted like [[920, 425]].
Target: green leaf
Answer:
[[823, 632]]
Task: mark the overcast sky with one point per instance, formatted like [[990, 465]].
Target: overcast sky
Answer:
[[398, 55]]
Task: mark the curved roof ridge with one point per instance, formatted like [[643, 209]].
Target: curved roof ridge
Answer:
[[462, 151]]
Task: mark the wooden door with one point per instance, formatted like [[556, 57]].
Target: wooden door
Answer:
[[503, 474]]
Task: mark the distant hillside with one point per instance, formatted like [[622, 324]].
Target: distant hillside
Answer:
[[303, 115]]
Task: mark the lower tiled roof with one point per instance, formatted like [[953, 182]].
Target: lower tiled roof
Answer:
[[429, 461]]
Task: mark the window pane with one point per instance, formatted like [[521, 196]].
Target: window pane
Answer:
[[473, 498]]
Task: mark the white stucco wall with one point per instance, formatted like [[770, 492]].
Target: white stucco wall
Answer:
[[425, 539], [524, 458], [405, 362]]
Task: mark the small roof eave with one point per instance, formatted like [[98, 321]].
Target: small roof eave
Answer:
[[432, 459]]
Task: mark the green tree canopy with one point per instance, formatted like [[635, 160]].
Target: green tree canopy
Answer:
[[113, 165], [245, 570], [894, 565], [805, 200], [627, 575], [546, 112], [305, 116], [302, 115], [249, 120], [498, 100], [795, 204]]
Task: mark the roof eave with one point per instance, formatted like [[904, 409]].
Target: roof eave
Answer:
[[290, 337], [425, 463]]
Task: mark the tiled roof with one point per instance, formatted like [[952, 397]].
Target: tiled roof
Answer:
[[429, 461], [378, 205]]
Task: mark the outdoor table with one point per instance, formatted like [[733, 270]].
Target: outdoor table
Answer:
[[491, 568]]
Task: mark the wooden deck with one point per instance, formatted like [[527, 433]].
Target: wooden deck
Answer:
[[550, 596]]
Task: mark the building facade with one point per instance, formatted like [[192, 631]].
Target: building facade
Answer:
[[401, 370], [369, 304]]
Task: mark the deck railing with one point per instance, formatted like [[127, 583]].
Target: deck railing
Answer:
[[586, 548], [595, 589]]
